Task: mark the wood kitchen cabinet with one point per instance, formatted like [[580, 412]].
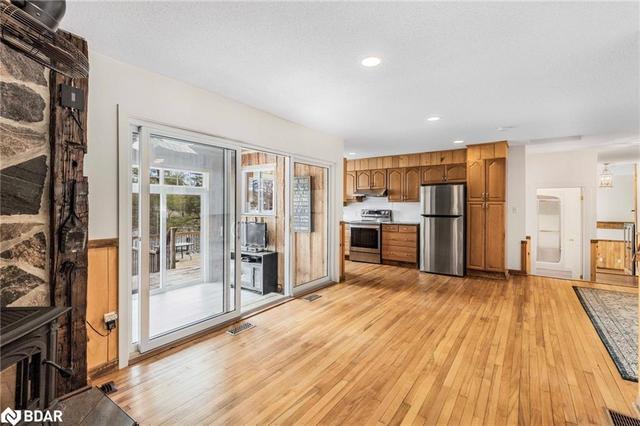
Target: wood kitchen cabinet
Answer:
[[378, 179], [444, 173], [487, 180], [486, 236], [411, 187], [363, 180], [371, 179], [486, 195], [433, 174], [400, 243], [495, 237], [475, 235], [403, 184], [349, 186], [496, 179], [395, 179]]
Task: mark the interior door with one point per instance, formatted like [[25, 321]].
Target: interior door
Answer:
[[188, 207]]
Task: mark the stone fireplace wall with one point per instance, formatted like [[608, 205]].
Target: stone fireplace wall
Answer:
[[24, 181]]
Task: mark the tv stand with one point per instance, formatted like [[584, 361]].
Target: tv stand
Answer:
[[259, 271]]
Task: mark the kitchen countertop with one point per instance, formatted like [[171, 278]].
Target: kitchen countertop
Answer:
[[393, 222]]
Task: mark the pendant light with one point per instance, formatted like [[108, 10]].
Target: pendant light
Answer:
[[606, 178]]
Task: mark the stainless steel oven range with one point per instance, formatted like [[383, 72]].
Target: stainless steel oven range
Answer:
[[366, 236]]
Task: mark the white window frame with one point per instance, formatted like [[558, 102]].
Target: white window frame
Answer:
[[271, 168]]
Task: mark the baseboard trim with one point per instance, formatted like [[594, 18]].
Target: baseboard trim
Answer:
[[102, 370], [101, 243], [478, 273]]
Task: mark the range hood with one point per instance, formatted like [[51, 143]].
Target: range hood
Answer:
[[371, 193]]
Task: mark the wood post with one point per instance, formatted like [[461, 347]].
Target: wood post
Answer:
[[593, 260], [172, 248], [341, 250], [525, 255], [68, 270]]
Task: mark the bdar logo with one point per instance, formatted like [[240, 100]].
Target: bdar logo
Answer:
[[10, 416]]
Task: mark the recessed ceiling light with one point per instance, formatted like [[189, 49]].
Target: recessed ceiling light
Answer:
[[503, 128], [371, 61], [352, 153], [433, 118], [458, 141]]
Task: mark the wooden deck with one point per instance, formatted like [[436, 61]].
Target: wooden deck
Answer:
[[389, 346]]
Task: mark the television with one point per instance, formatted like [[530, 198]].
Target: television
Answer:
[[254, 235]]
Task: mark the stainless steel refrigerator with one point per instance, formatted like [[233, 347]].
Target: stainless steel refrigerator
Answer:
[[442, 242]]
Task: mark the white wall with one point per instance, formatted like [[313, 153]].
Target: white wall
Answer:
[[616, 204], [402, 212], [516, 206], [153, 97], [563, 170]]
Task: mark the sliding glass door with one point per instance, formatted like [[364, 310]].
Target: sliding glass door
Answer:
[[184, 201], [309, 225]]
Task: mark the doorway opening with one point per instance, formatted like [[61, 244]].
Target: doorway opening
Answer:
[[615, 245], [263, 236], [559, 232]]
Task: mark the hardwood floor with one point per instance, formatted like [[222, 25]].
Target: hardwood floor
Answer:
[[392, 345]]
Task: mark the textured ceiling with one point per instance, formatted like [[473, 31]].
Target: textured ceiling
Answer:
[[550, 70]]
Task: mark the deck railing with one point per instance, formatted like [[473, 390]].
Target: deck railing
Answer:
[[183, 242]]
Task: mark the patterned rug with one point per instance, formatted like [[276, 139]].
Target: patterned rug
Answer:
[[614, 314]]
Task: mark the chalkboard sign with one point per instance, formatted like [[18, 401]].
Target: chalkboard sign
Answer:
[[302, 204]]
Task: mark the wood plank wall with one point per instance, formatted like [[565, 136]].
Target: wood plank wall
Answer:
[[310, 249], [102, 297], [275, 224]]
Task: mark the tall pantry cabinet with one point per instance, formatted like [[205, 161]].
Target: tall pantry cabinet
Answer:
[[486, 206]]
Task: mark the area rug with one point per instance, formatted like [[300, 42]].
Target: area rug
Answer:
[[614, 314]]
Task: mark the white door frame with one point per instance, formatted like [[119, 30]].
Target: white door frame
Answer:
[[330, 237], [581, 255], [125, 240], [125, 119]]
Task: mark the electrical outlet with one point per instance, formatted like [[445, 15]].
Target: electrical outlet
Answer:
[[110, 320]]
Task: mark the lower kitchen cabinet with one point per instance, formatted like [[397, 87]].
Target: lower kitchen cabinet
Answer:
[[486, 236], [400, 243]]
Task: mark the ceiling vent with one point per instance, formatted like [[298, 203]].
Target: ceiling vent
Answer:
[[30, 27]]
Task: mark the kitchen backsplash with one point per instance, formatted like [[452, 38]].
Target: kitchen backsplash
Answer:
[[402, 212]]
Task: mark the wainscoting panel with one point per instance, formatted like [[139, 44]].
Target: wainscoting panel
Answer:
[[102, 297]]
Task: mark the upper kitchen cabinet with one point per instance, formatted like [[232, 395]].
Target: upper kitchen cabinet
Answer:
[[363, 180], [475, 180], [395, 183], [433, 174], [378, 179], [487, 151], [496, 179], [349, 186], [371, 179], [411, 190], [455, 173]]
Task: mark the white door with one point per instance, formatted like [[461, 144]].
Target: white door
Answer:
[[559, 237], [184, 239]]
